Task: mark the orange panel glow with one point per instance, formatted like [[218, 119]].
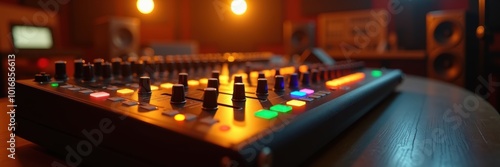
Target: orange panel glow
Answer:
[[345, 79], [166, 85], [203, 81], [193, 83]]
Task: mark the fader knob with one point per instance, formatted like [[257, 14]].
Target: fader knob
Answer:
[[238, 79], [314, 76], [262, 89], [277, 72], [116, 62], [279, 83], [98, 67], [306, 78], [216, 74], [210, 99], [79, 68], [178, 96], [144, 85], [239, 92], [261, 75], [106, 71], [126, 71], [88, 72], [60, 71], [183, 79], [42, 77], [294, 81], [213, 83]]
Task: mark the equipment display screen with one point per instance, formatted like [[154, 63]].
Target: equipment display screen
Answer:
[[32, 37]]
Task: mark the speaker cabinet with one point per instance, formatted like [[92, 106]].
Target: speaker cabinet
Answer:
[[299, 37], [452, 46], [116, 36]]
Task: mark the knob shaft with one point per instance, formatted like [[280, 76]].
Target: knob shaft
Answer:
[[294, 81], [178, 94]]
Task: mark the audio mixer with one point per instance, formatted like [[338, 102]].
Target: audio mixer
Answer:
[[198, 110]]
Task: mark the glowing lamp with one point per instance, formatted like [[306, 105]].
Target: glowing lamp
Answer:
[[239, 7], [145, 6]]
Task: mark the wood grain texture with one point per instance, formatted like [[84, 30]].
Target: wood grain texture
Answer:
[[424, 123], [418, 125]]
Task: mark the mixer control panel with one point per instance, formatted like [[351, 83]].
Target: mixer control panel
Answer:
[[222, 104]]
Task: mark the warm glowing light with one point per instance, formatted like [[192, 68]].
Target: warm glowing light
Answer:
[[125, 91], [167, 85], [303, 68], [224, 79], [287, 70], [296, 103], [239, 7], [230, 59], [179, 117], [145, 6], [345, 79], [153, 87], [193, 83], [203, 81]]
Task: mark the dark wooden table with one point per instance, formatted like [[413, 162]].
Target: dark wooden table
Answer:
[[423, 123]]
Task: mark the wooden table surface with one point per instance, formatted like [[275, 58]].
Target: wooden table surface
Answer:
[[423, 123]]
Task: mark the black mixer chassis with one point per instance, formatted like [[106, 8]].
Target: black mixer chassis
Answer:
[[83, 131]]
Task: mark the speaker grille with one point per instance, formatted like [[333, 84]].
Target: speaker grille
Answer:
[[448, 66], [123, 38], [448, 33]]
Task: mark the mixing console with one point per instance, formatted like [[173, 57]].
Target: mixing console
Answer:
[[222, 110]]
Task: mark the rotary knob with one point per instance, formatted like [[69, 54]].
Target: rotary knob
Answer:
[[262, 89], [279, 83], [239, 92], [144, 85], [61, 71], [210, 99], [178, 94]]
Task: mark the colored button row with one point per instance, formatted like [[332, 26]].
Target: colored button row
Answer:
[[273, 111], [188, 117]]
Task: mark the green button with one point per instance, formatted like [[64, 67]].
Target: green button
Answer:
[[266, 114], [281, 108], [54, 84], [376, 73]]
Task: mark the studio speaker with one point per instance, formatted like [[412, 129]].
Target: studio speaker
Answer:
[[116, 36], [452, 46], [299, 36]]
